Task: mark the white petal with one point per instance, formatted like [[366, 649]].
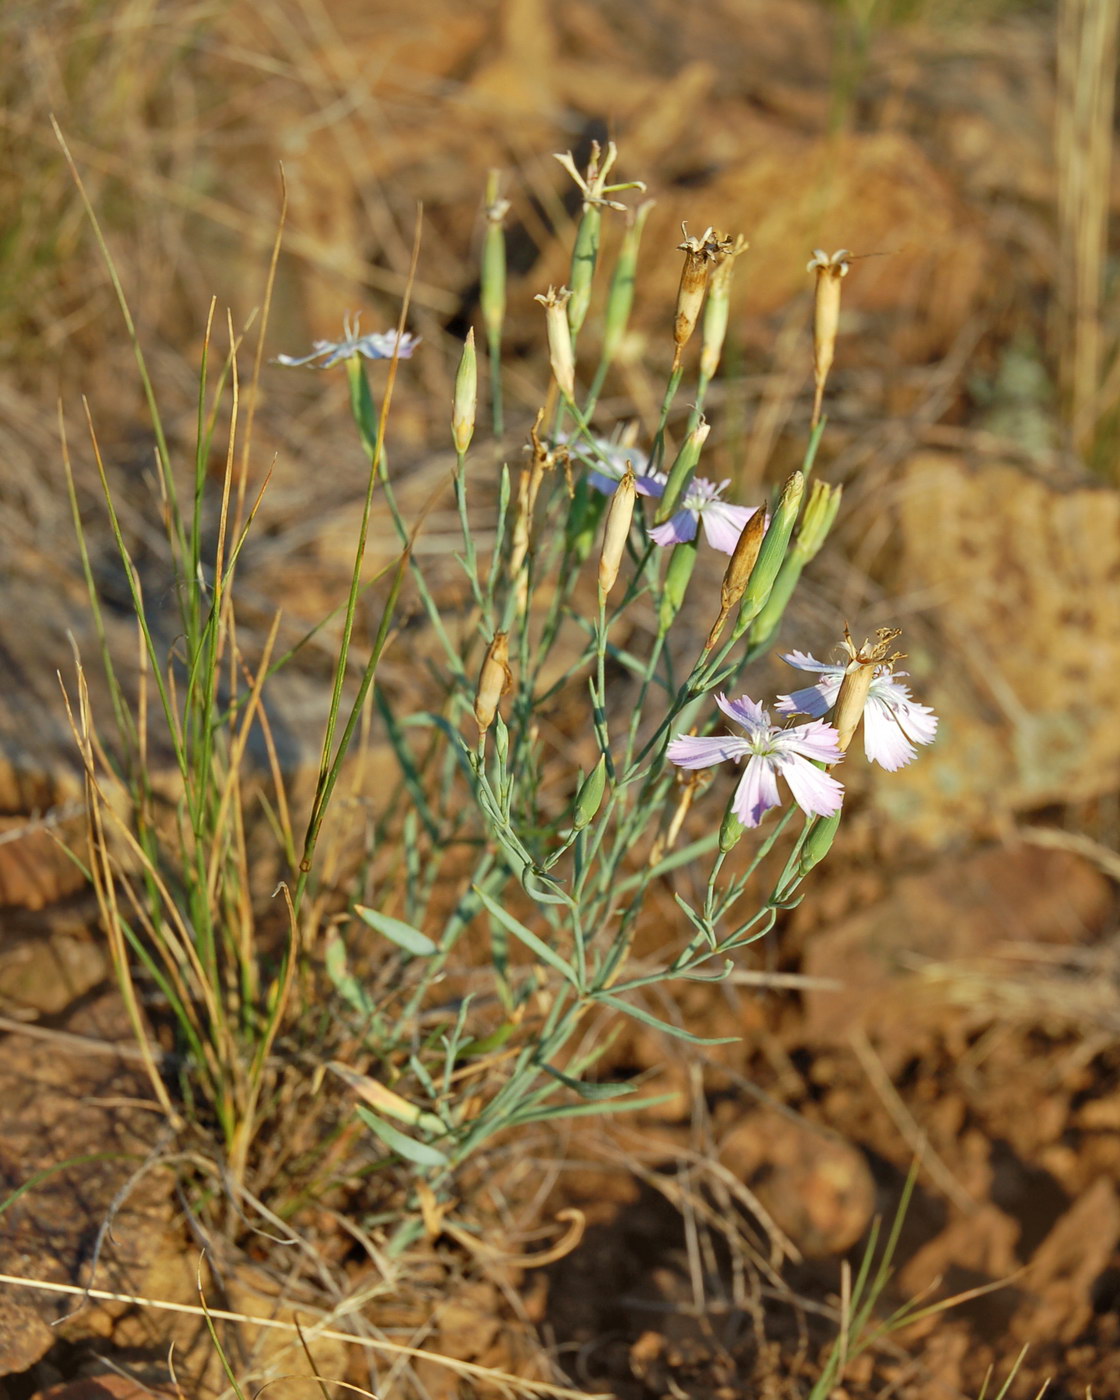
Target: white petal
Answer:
[[724, 523], [692, 751], [757, 791], [815, 740], [814, 791]]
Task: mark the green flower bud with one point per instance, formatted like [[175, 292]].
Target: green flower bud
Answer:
[[492, 296], [820, 512], [682, 471], [620, 298], [466, 397], [590, 794], [677, 575], [730, 830], [819, 841], [772, 553], [585, 256]]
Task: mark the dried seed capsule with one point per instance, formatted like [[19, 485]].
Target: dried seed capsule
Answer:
[[560, 353], [858, 675], [737, 574], [620, 512], [826, 316], [494, 680]]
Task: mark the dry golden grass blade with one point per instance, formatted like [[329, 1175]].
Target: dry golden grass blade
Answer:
[[469, 1370]]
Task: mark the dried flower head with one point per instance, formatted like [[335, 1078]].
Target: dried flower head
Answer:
[[593, 186], [494, 680], [865, 687], [826, 316], [560, 353], [701, 255]]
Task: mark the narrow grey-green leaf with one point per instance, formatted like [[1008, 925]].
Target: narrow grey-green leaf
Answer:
[[422, 1154], [531, 941], [411, 940]]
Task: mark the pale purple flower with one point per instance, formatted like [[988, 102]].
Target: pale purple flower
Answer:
[[701, 505], [770, 752], [893, 721], [607, 464], [377, 345]]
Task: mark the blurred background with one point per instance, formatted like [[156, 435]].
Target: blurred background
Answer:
[[963, 150]]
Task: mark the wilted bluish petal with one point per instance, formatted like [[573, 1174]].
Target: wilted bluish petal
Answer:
[[804, 661], [723, 524], [678, 529], [815, 700], [745, 711], [757, 791], [691, 751], [321, 348], [815, 792], [382, 345], [377, 345]]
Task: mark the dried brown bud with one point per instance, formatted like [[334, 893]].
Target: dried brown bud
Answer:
[[739, 569], [560, 353], [700, 256], [494, 680]]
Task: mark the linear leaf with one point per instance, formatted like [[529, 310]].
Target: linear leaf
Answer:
[[639, 1013], [420, 1153], [531, 941], [402, 934]]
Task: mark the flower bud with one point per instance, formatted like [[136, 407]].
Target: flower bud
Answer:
[[682, 470], [560, 353], [681, 563], [620, 298], [466, 397], [820, 512], [492, 295], [730, 829], [494, 680], [826, 316], [620, 512], [819, 841], [773, 551], [718, 309], [590, 795]]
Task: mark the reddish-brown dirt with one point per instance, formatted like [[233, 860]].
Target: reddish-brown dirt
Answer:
[[951, 988]]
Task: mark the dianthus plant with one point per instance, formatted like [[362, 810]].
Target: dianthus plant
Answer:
[[552, 847]]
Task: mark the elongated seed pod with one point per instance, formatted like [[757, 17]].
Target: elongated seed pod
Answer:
[[494, 680], [620, 512]]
